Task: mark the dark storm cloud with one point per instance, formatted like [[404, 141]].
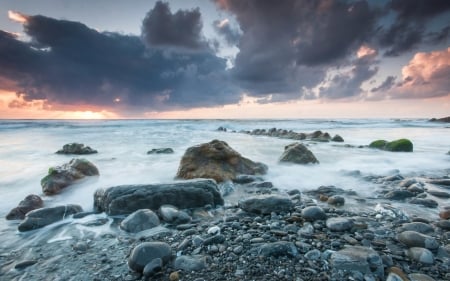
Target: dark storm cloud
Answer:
[[68, 63], [387, 84], [231, 35], [182, 29], [408, 29]]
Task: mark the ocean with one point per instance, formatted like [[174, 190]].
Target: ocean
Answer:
[[27, 150]]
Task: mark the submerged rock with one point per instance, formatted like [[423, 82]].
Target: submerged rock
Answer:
[[356, 258], [444, 119], [337, 138], [140, 220], [216, 160], [400, 145], [313, 213], [298, 153], [276, 249], [76, 148], [145, 253], [41, 217], [125, 199], [421, 255], [266, 204], [167, 150], [62, 176], [31, 202], [190, 263], [416, 239]]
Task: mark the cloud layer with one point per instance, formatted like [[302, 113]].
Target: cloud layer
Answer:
[[288, 50]]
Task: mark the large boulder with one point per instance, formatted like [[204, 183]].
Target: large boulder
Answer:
[[62, 176], [30, 203], [41, 217], [400, 145], [76, 148], [125, 199], [298, 153], [218, 161]]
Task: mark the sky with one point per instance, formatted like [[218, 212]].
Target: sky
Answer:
[[65, 59]]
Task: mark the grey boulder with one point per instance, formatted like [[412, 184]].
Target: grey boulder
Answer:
[[140, 220], [266, 204], [31, 202], [145, 253], [41, 217], [416, 239], [298, 153]]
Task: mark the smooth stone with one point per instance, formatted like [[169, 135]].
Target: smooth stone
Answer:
[[445, 182], [407, 182], [429, 203], [140, 220], [313, 255], [444, 224], [444, 214], [415, 188], [25, 264], [44, 216], [360, 259], [420, 277], [213, 230], [266, 204], [153, 267], [76, 148], [439, 194], [398, 194], [313, 213], [416, 239], [339, 224], [298, 153], [421, 255], [146, 252], [167, 150], [336, 200], [30, 203], [420, 227], [190, 263], [276, 249], [125, 199], [337, 138], [244, 179], [172, 214], [396, 274], [216, 239]]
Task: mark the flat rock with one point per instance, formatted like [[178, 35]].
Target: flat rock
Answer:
[[336, 200], [31, 202], [357, 258], [313, 213], [166, 150], [429, 203], [218, 161], [146, 252], [416, 239], [421, 255], [140, 220], [41, 217], [76, 148], [444, 224], [266, 204], [190, 263], [420, 277], [61, 177], [276, 249], [125, 199], [339, 224], [398, 194], [445, 182], [298, 153], [420, 227], [439, 194]]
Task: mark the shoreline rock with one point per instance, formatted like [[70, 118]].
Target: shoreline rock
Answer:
[[44, 216], [30, 203], [298, 153], [76, 148], [400, 145]]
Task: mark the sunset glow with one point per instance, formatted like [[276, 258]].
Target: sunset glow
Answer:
[[17, 17]]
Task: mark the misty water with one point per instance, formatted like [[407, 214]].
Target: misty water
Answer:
[[27, 150]]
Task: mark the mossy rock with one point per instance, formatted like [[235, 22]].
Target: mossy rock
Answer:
[[380, 144], [401, 145]]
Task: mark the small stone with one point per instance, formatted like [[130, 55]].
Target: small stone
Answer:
[[25, 264], [420, 227], [440, 194], [190, 263], [174, 276], [266, 204], [396, 274], [313, 255], [144, 253], [339, 224], [216, 239], [276, 249], [167, 150], [153, 267], [238, 250], [140, 220], [31, 202], [359, 259], [416, 239], [337, 138], [444, 224], [336, 200], [398, 195], [421, 255], [429, 203], [214, 230], [313, 213], [444, 214]]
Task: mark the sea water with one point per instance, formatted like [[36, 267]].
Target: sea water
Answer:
[[27, 150]]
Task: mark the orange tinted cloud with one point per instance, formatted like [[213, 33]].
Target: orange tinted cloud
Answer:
[[17, 17]]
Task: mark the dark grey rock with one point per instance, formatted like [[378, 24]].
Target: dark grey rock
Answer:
[[61, 177], [216, 239], [420, 277], [337, 138], [276, 249], [440, 194], [126, 199], [146, 252], [313, 255], [445, 182], [31, 202], [24, 264], [444, 224], [167, 150], [244, 179], [266, 204], [398, 194], [420, 227], [421, 255], [313, 213], [339, 224], [416, 239], [41, 217], [190, 263], [171, 214], [76, 148], [329, 191], [360, 259], [298, 153], [429, 203], [153, 267], [140, 220], [336, 200]]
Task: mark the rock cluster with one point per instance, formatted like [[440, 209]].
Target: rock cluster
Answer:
[[31, 202], [317, 136], [76, 148]]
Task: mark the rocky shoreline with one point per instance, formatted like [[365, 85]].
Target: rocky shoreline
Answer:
[[162, 232]]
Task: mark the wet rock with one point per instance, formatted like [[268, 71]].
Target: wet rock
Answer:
[[153, 267], [419, 277], [298, 153], [443, 119], [24, 264], [420, 227], [416, 239], [76, 148], [266, 204], [216, 160], [444, 224], [126, 199], [400, 145], [328, 191], [336, 200], [171, 214], [62, 176], [429, 203], [244, 179], [166, 150], [140, 220], [396, 274], [31, 202], [407, 182], [339, 224], [190, 263], [276, 249], [356, 258], [146, 252], [444, 214], [398, 194], [313, 255], [41, 217], [421, 255], [216, 239], [445, 182], [226, 188], [439, 194], [337, 138], [313, 213]]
